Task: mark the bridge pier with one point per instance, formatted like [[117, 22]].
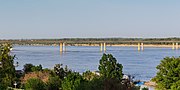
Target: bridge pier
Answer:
[[61, 47], [64, 46], [173, 46], [101, 47], [177, 46], [139, 47], [104, 47], [142, 46]]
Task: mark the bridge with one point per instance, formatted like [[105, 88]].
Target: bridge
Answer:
[[140, 45]]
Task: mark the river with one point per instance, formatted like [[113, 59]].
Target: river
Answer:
[[141, 64]]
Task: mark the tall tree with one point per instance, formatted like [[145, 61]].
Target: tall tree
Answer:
[[7, 69], [109, 68], [168, 75]]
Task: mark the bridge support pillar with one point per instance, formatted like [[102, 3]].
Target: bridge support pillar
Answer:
[[177, 46], [61, 47], [139, 47], [101, 47], [64, 46], [142, 46], [104, 47], [173, 46]]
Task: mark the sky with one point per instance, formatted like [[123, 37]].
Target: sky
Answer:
[[37, 19]]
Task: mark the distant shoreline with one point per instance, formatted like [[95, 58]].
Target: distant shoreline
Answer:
[[109, 45]]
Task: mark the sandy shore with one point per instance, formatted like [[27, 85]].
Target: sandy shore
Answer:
[[158, 46], [127, 45]]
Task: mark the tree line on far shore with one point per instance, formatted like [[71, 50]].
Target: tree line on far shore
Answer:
[[73, 41]]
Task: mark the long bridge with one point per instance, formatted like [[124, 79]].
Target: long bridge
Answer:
[[140, 46], [140, 43]]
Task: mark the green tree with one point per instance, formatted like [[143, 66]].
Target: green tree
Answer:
[[31, 68], [109, 68], [176, 86], [72, 81], [60, 71], [54, 83], [27, 68], [34, 84], [168, 75], [2, 86], [7, 69], [95, 84], [37, 68]]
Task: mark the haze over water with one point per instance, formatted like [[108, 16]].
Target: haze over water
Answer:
[[142, 64]]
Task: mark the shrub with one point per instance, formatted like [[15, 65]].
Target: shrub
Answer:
[[72, 81], [34, 84], [31, 68], [88, 75], [54, 83]]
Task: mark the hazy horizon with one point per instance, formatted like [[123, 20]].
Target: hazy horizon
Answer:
[[44, 19]]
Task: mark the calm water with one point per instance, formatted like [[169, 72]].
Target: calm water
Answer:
[[140, 64]]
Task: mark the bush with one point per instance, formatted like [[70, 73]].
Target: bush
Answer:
[[145, 88], [60, 71], [54, 83], [88, 75], [106, 84], [31, 68], [37, 68], [2, 87], [34, 84], [96, 84], [27, 68], [72, 81]]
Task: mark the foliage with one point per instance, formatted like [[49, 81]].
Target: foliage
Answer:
[[72, 81], [42, 75], [27, 68], [88, 75], [106, 84], [60, 71], [109, 68], [31, 68], [7, 69], [95, 84], [54, 83], [34, 84], [168, 76], [146, 88], [2, 86], [114, 84], [37, 68], [176, 86]]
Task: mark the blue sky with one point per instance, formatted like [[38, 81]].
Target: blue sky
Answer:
[[26, 19]]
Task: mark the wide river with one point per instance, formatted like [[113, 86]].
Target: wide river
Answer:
[[142, 64]]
